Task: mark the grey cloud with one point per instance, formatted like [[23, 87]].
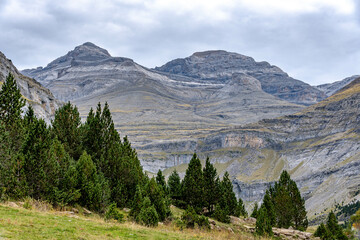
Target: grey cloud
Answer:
[[313, 47]]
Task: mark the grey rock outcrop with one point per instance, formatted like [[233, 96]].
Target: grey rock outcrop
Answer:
[[219, 66], [331, 88], [154, 108], [319, 146], [39, 97]]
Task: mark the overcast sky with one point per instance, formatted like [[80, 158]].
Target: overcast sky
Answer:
[[316, 41]]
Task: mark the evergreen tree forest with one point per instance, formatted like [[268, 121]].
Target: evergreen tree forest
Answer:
[[282, 207], [71, 163]]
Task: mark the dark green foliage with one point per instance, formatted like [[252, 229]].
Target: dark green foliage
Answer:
[[332, 230], [66, 127], [228, 200], [34, 151], [210, 175], [190, 219], [148, 215], [160, 180], [11, 101], [93, 187], [289, 206], [270, 210], [158, 199], [221, 214], [322, 232], [193, 184], [263, 223], [137, 202], [117, 160], [175, 187], [254, 213], [240, 209], [114, 213]]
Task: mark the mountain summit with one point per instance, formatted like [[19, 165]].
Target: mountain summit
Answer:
[[218, 66]]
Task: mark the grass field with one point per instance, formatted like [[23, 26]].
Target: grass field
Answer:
[[20, 223]]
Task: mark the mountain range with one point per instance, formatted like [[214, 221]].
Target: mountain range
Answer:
[[250, 118], [39, 97]]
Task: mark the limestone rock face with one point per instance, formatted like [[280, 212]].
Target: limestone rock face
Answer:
[[39, 97], [319, 146], [331, 88], [219, 66], [155, 108]]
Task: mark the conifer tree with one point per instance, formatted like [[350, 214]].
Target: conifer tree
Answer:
[[334, 228], [11, 101], [174, 183], [288, 204], [240, 209], [254, 213], [269, 206], [209, 185], [228, 200], [148, 215], [193, 184], [137, 202], [93, 186], [66, 127], [160, 180], [263, 223], [34, 151], [158, 199]]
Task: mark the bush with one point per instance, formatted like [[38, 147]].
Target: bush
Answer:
[[148, 215], [221, 214], [190, 219], [27, 203], [114, 213]]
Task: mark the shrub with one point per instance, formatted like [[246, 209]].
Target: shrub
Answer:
[[27, 203], [190, 219], [148, 215], [221, 214], [114, 213]]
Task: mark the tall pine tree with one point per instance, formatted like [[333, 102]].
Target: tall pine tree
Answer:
[[192, 185]]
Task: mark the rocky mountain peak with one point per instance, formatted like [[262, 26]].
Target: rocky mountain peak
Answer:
[[243, 82]]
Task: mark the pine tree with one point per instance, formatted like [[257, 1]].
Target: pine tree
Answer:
[[34, 151], [289, 206], [263, 223], [299, 217], [148, 215], [158, 199], [93, 186], [193, 184], [11, 101], [160, 180], [174, 183], [334, 228], [322, 232], [269, 206], [228, 200], [137, 202], [209, 185], [240, 209], [254, 213], [66, 127]]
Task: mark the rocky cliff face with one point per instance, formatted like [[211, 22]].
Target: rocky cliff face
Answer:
[[331, 88], [152, 107], [219, 66], [319, 146], [40, 98]]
